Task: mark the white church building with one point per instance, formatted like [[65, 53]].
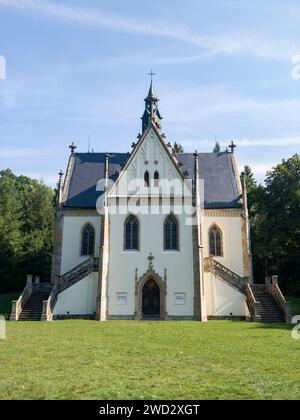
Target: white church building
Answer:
[[151, 234]]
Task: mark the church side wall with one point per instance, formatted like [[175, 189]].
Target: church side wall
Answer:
[[230, 223], [221, 299], [79, 299], [71, 242]]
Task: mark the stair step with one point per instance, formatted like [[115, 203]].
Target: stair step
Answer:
[[34, 307], [269, 310]]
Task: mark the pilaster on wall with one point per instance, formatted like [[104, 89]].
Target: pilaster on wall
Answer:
[[246, 235], [102, 301], [57, 245], [102, 298], [199, 297], [245, 229]]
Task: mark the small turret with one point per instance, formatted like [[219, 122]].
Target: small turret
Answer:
[[151, 112]]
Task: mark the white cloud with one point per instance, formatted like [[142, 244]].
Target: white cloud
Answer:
[[243, 142], [22, 153], [259, 169], [265, 142], [236, 43]]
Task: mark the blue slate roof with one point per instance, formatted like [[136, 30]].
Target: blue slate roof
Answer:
[[220, 187]]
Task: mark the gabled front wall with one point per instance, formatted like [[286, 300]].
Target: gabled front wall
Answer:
[[150, 155], [175, 266]]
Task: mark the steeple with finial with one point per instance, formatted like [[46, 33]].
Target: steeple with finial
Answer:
[[151, 112]]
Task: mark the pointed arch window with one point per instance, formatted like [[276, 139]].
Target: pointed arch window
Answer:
[[131, 233], [88, 240], [215, 241], [156, 179], [171, 237], [146, 179]]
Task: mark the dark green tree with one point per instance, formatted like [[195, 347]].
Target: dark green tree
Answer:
[[178, 148], [217, 148], [275, 224], [10, 222], [26, 230], [247, 174]]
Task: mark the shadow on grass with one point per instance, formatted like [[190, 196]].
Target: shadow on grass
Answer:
[[273, 326]]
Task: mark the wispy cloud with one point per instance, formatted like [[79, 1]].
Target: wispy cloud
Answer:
[[243, 142], [260, 170], [235, 43], [22, 153]]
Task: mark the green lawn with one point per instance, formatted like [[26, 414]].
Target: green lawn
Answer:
[[155, 360], [5, 303]]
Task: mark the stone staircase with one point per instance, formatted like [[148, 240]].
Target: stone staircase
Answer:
[[266, 302], [268, 308], [33, 308]]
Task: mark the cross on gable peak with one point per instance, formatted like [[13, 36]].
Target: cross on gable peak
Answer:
[[232, 146], [150, 258]]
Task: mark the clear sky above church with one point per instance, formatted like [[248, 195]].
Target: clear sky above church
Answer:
[[80, 68]]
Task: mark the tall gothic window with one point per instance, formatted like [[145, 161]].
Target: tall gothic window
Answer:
[[146, 179], [156, 179], [171, 241], [87, 240], [215, 241], [131, 233]]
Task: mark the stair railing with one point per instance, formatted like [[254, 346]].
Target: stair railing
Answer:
[[77, 273], [261, 288], [225, 273], [67, 280], [282, 303], [18, 305], [48, 306], [253, 305]]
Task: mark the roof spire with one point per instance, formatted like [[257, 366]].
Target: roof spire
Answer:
[[151, 112]]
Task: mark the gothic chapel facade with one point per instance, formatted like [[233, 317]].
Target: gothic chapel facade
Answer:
[[151, 234]]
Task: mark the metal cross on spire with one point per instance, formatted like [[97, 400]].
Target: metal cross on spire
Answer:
[[151, 74]]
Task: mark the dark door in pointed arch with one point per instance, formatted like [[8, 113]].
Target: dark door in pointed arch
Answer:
[[151, 300]]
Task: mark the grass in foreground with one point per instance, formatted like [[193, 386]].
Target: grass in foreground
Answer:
[[149, 360]]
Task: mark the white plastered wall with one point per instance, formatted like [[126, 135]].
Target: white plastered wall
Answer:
[[71, 244], [79, 299], [178, 264], [222, 299], [232, 240]]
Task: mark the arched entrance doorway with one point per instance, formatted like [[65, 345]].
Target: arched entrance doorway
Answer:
[[151, 299]]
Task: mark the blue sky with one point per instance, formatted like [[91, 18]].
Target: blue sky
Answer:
[[80, 68]]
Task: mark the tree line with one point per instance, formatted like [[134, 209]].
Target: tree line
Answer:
[[274, 213], [26, 230], [27, 213]]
